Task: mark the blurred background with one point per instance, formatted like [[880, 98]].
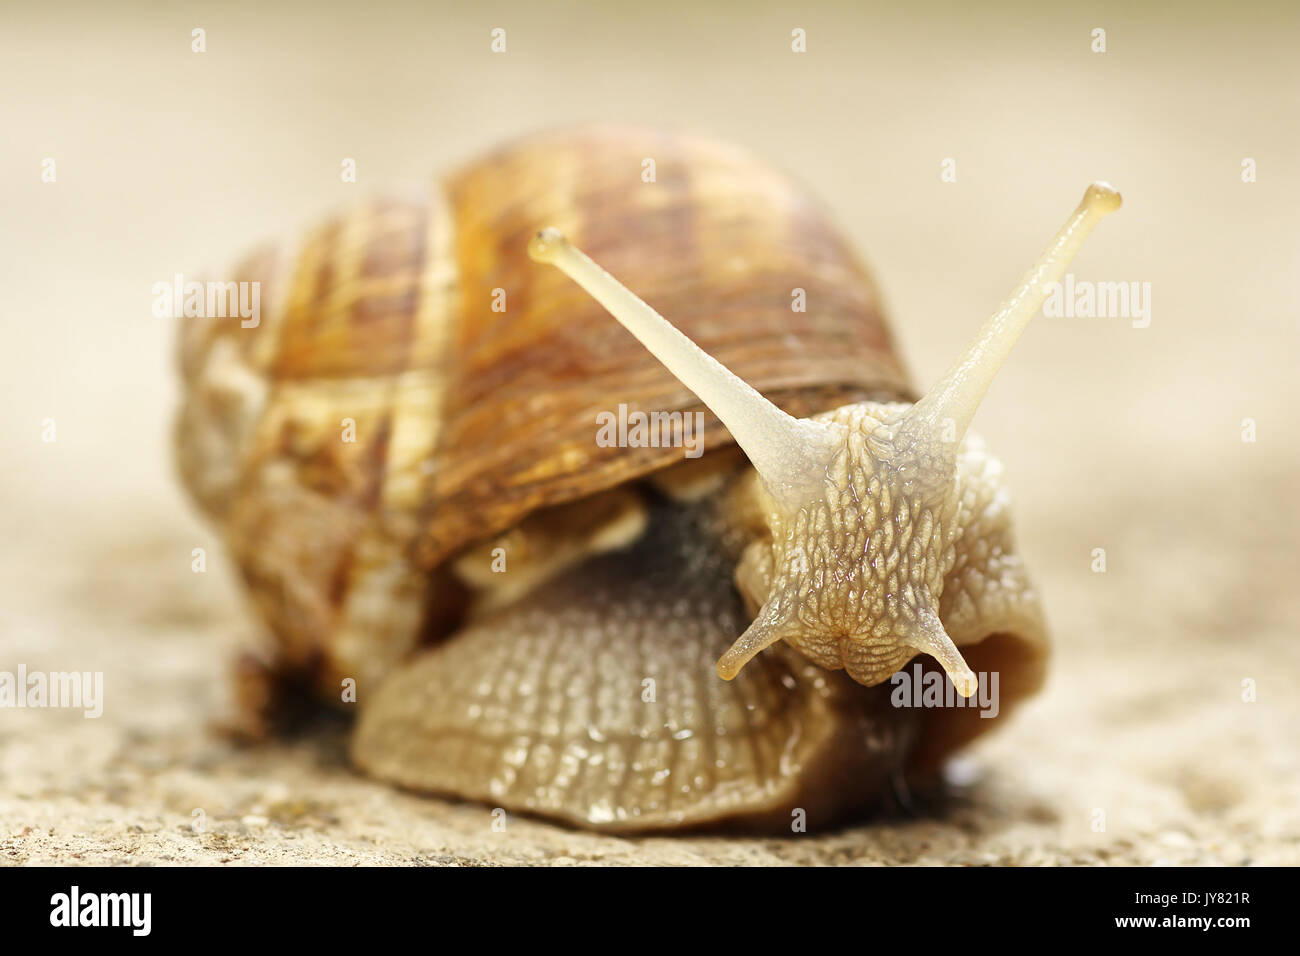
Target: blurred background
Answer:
[[1115, 437]]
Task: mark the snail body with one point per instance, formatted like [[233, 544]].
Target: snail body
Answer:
[[621, 638]]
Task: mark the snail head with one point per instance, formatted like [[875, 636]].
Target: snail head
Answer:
[[861, 502]]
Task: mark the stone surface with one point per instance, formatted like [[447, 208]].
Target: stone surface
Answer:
[[1114, 437]]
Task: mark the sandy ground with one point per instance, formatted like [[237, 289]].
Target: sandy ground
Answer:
[[1114, 437]]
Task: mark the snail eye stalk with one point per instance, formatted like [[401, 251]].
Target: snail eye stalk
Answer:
[[956, 396], [790, 454]]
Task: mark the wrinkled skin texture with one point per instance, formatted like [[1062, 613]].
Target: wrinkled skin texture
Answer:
[[592, 700], [894, 549], [539, 705]]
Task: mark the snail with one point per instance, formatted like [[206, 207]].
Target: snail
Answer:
[[402, 459]]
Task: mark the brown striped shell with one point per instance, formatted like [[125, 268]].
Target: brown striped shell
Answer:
[[467, 419], [718, 241]]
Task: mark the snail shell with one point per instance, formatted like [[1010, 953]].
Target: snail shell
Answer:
[[420, 398]]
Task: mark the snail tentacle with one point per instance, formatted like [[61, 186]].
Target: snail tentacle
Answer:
[[789, 454], [951, 404]]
